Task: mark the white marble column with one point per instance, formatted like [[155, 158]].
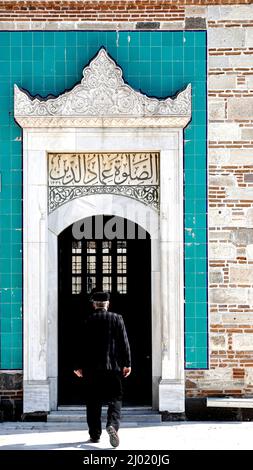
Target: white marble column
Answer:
[[171, 386], [36, 386]]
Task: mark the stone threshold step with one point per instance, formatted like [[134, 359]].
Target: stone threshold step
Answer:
[[229, 402], [132, 409], [154, 418], [82, 425], [104, 411]]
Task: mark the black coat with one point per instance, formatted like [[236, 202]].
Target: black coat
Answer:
[[104, 344]]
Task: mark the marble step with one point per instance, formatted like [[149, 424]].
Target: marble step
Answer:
[[124, 409], [133, 415]]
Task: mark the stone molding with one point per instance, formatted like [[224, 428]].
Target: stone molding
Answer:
[[102, 99], [61, 195], [62, 122]]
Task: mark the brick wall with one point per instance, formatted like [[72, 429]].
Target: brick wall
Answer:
[[101, 10], [230, 99], [89, 10]]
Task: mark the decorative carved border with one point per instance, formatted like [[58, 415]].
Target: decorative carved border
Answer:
[[102, 99], [59, 195], [61, 122]]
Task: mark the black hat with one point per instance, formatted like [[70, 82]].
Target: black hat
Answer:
[[100, 296]]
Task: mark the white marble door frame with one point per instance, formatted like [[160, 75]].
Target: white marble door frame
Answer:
[[102, 114], [40, 255]]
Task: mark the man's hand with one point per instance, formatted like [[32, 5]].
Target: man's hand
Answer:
[[126, 371], [78, 372]]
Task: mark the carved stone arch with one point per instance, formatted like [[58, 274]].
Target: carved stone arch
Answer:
[[98, 204]]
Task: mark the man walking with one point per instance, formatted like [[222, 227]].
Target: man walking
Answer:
[[104, 359]]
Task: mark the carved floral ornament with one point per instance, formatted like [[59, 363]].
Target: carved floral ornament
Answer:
[[102, 99]]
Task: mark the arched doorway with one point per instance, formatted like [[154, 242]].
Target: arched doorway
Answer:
[[113, 254]]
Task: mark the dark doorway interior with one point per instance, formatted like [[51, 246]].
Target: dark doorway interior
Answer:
[[121, 266]]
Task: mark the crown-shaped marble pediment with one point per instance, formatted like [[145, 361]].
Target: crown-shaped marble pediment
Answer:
[[102, 98]]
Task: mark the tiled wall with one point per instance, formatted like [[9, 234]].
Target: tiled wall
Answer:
[[158, 63]]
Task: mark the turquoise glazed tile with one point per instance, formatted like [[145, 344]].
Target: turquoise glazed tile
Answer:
[[190, 325], [5, 296], [5, 325], [190, 341], [5, 39], [202, 324], [16, 325], [16, 358], [145, 39], [16, 309], [156, 39], [201, 304], [16, 295], [6, 358], [158, 63], [189, 311]]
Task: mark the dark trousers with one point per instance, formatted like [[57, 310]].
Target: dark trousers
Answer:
[[103, 388]]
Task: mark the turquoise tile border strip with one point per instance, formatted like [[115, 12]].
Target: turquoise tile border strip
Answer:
[[158, 63]]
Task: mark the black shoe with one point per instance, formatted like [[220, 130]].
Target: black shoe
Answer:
[[95, 440], [113, 436]]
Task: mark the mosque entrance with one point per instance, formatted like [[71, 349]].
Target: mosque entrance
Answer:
[[112, 254]]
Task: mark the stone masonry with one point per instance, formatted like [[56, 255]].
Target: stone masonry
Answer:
[[230, 104], [10, 395]]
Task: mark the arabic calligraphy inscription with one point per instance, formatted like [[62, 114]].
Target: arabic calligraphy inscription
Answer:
[[114, 172]]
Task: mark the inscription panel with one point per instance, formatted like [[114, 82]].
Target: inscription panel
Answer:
[[133, 174]]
